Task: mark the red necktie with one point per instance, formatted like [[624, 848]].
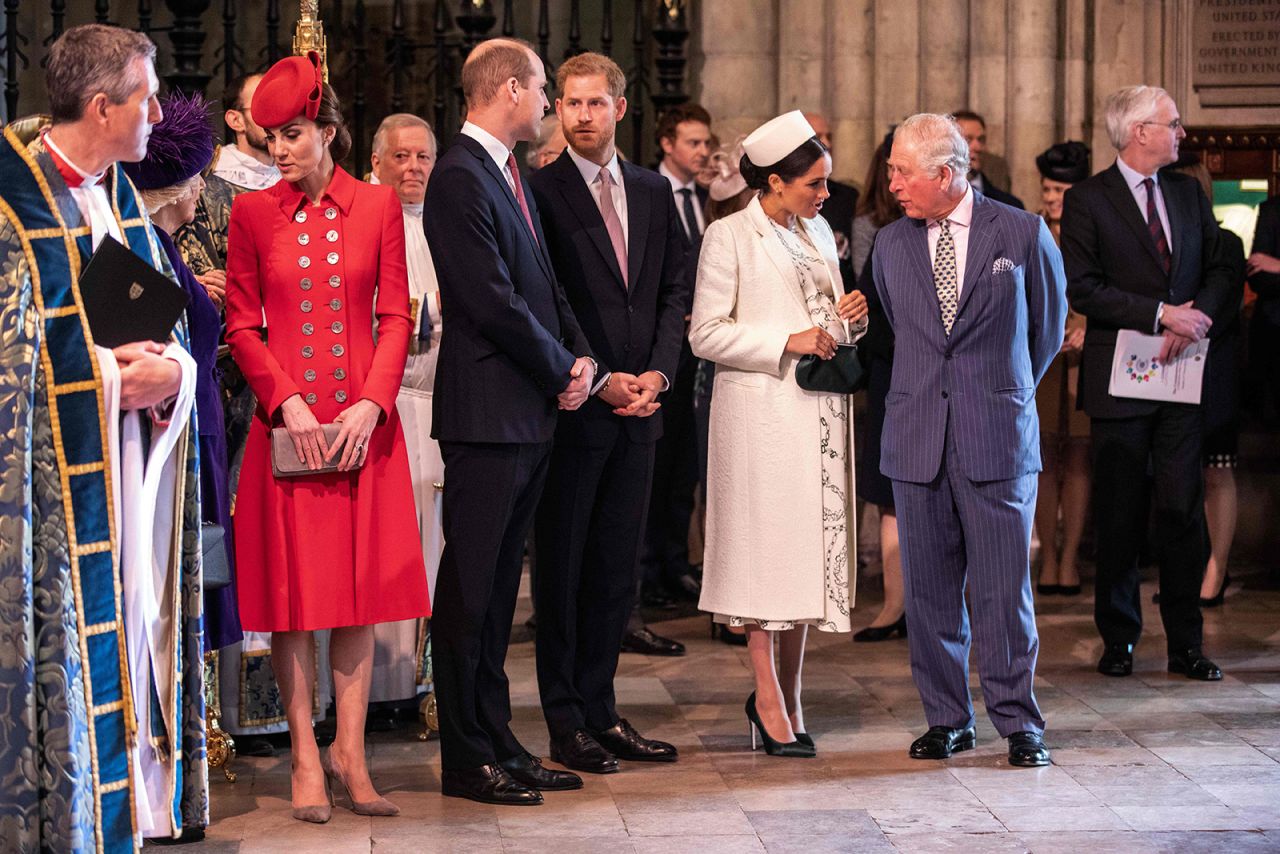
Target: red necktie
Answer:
[[1156, 229], [519, 191]]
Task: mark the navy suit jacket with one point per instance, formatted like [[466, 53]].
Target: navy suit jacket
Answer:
[[633, 327], [981, 380], [509, 337], [1116, 281]]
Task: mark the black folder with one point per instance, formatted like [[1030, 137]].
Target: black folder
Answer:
[[126, 299]]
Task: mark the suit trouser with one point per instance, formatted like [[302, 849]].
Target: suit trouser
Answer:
[[588, 533], [1170, 439], [675, 477], [492, 492], [953, 531]]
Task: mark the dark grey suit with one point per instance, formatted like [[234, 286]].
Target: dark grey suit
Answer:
[[961, 444]]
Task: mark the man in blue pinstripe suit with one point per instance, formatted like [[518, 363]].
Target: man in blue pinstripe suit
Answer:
[[976, 296]]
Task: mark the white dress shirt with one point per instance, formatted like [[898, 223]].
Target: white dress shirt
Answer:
[[1133, 179], [959, 220], [496, 148], [236, 167], [676, 186], [591, 174]]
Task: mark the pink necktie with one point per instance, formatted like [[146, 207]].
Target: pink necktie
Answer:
[[518, 188], [611, 222]]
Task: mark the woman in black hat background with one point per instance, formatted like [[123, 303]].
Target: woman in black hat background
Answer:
[[1064, 428]]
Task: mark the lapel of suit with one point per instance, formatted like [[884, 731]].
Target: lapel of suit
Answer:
[[777, 252], [917, 251], [577, 195], [1121, 198], [638, 205], [982, 238], [540, 241], [1177, 207]]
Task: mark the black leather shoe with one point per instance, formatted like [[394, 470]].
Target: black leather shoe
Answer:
[[624, 742], [1192, 664], [527, 769], [875, 634], [645, 642], [488, 784], [1117, 660], [942, 741], [1027, 750], [581, 752]]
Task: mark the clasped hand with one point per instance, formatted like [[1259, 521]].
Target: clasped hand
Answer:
[[633, 395], [581, 377], [357, 420], [1183, 325], [215, 284], [147, 378]]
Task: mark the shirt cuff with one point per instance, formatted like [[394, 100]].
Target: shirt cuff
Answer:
[[666, 383], [433, 307], [600, 382], [1159, 318]]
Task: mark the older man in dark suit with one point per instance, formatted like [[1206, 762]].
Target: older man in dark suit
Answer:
[[975, 293], [615, 242], [1141, 251], [511, 353]]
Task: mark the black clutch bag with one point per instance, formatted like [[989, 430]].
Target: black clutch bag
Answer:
[[213, 545], [844, 373]]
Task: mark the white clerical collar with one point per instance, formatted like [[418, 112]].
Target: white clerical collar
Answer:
[[496, 148], [591, 171], [676, 184], [412, 210], [243, 170], [1132, 177], [87, 179]]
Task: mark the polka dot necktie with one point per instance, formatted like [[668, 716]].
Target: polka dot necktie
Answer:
[[944, 275]]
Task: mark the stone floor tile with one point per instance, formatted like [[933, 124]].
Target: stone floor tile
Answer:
[[1187, 794], [1180, 756], [1172, 817], [716, 823], [1048, 818], [941, 819], [743, 844], [1094, 842], [798, 823], [1235, 842], [555, 845], [828, 843], [961, 843]]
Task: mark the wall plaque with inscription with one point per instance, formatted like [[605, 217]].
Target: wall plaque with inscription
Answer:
[[1236, 52]]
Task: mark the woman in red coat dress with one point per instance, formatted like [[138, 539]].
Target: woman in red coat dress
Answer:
[[336, 550]]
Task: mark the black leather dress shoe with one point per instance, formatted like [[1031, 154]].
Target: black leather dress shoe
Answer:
[[645, 642], [942, 741], [581, 752], [527, 769], [1027, 750], [1192, 664], [488, 784], [1117, 660], [624, 742]]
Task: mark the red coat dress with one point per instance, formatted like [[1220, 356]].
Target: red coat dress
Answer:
[[340, 549]]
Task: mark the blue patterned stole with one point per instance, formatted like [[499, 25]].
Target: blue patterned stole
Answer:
[[56, 256]]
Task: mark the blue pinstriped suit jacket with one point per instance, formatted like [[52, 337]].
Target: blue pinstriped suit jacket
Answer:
[[1008, 327]]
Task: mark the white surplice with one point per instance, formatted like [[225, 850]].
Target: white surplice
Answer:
[[397, 653]]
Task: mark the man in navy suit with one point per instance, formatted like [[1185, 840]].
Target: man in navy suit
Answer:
[[976, 296], [617, 248], [974, 128], [511, 356], [1142, 251]]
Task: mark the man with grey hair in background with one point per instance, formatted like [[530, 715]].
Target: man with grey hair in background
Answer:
[[975, 293], [1141, 251], [404, 151]]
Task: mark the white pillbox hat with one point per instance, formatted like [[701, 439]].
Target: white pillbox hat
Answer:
[[777, 138]]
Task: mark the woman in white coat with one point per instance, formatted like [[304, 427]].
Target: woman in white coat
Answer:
[[780, 516]]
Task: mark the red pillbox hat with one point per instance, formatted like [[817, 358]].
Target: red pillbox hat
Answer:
[[289, 89]]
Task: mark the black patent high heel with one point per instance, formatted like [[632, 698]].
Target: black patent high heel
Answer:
[[874, 634], [796, 749], [1215, 601]]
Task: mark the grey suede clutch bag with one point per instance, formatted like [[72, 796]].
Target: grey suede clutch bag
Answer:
[[284, 458]]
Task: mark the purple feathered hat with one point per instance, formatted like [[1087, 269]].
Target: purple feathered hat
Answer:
[[181, 145]]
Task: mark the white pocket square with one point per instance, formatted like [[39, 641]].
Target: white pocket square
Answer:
[[1001, 265]]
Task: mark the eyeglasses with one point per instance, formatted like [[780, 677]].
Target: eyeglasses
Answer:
[[1173, 125]]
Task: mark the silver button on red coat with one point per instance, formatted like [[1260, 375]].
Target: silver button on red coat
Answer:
[[339, 374], [308, 328], [304, 238], [308, 351], [306, 284], [311, 398], [332, 257], [336, 326], [331, 235], [335, 304], [309, 376], [330, 213], [337, 349], [306, 306], [300, 216], [304, 262], [341, 397], [335, 281]]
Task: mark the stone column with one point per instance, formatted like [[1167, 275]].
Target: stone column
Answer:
[[897, 73], [1033, 93], [944, 56], [853, 79], [739, 72], [804, 70]]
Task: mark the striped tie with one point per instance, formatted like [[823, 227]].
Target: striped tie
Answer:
[[1156, 229], [944, 275]]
